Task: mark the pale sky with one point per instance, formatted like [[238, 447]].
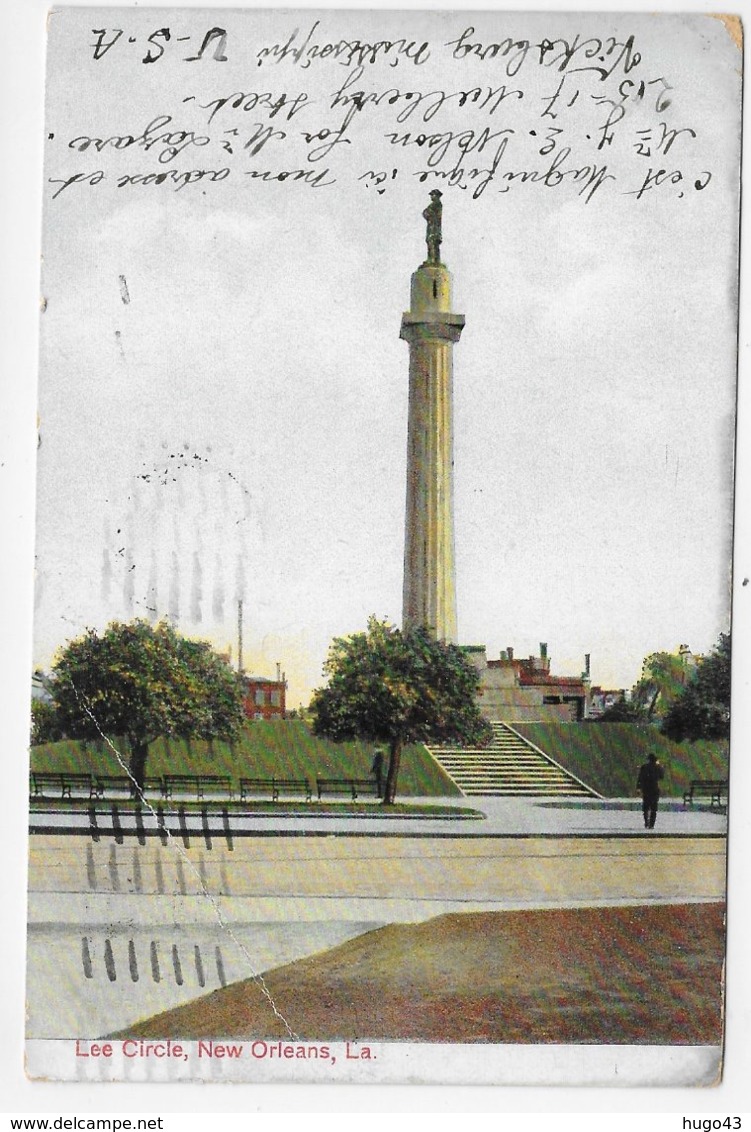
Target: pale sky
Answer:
[[257, 359]]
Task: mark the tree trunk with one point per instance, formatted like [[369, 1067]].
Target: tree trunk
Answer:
[[139, 749], [395, 755]]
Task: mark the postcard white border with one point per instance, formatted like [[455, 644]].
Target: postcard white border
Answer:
[[21, 123]]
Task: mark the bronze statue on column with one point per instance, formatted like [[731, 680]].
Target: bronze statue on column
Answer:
[[433, 236]]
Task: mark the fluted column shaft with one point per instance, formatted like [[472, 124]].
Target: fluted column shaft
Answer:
[[429, 597]]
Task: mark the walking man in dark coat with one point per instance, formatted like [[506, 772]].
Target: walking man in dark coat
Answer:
[[648, 782], [377, 770]]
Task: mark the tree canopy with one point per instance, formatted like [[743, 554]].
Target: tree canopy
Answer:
[[142, 681], [663, 677], [702, 711], [45, 723], [624, 711], [391, 686]]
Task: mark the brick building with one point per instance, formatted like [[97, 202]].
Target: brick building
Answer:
[[524, 689], [264, 698]]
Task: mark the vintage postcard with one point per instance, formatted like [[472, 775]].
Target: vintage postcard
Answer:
[[381, 690]]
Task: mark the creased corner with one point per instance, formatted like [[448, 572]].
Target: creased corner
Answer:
[[733, 25]]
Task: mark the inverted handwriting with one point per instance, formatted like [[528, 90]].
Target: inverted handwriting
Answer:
[[628, 89], [426, 104], [101, 47], [255, 101], [174, 177], [262, 135], [558, 53], [76, 179], [494, 112], [462, 176], [589, 178], [593, 48], [439, 144], [307, 176], [214, 43], [518, 49], [173, 142], [345, 51], [662, 143], [327, 139], [656, 178]]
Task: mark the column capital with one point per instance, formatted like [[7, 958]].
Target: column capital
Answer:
[[422, 326]]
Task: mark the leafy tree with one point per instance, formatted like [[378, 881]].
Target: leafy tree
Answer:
[[45, 723], [395, 687], [703, 709], [662, 680], [142, 681], [624, 711]]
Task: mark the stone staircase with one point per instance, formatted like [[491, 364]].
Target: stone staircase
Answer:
[[507, 765]]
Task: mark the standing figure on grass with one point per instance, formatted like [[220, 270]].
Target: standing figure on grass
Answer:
[[377, 771], [651, 774]]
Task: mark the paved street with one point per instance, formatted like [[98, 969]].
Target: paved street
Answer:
[[504, 817], [128, 924]]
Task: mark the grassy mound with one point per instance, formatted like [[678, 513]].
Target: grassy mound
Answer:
[[607, 756], [284, 748], [650, 974]]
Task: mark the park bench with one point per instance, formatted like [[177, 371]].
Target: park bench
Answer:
[[273, 786], [178, 783], [117, 783], [346, 786], [712, 788], [214, 783], [40, 784], [151, 785], [78, 782]]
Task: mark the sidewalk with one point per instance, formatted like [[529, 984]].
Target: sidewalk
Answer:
[[125, 922], [504, 817]]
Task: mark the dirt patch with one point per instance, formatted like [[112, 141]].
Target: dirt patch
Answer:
[[594, 975]]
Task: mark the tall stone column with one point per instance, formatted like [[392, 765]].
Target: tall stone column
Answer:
[[431, 330]]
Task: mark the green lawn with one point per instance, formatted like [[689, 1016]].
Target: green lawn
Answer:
[[284, 748], [258, 807], [607, 756]]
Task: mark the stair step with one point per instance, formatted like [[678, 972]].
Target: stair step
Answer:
[[511, 772], [496, 760], [507, 765]]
